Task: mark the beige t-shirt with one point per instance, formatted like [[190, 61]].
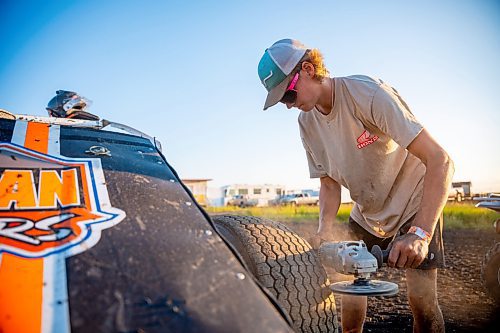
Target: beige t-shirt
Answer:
[[361, 144]]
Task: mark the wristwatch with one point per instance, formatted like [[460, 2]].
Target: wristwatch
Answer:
[[420, 233]]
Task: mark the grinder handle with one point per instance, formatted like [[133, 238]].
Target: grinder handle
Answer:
[[380, 255]]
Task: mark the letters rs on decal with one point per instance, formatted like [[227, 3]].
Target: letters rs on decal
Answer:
[[16, 228]]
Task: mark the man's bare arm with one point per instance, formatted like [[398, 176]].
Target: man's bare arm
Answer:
[[329, 202], [437, 179], [409, 251]]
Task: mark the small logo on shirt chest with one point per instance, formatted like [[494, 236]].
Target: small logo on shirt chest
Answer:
[[366, 139]]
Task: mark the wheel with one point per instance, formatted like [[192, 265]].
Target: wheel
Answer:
[[293, 203], [287, 266], [459, 197], [490, 272]]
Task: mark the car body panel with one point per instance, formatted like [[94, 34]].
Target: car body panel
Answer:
[[158, 266]]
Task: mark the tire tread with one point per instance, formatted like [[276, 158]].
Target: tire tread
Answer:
[[286, 264]]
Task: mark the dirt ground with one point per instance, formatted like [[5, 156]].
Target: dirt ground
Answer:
[[463, 301]]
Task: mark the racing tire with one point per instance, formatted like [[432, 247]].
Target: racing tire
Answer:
[[285, 264], [490, 272]]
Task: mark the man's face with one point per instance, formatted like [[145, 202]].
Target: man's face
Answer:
[[307, 90]]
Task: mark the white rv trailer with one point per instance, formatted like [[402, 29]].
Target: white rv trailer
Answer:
[[263, 193]]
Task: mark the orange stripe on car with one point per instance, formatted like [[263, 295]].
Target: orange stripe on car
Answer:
[[21, 279]]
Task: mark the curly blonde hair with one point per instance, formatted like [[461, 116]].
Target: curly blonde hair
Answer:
[[314, 57]]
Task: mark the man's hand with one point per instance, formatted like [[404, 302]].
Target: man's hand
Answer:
[[407, 251], [316, 241], [323, 234]]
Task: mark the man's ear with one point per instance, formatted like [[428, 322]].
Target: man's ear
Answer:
[[309, 68]]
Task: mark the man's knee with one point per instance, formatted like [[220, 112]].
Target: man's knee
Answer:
[[422, 289], [353, 313]]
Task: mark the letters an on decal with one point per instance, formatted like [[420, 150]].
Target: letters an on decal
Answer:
[[18, 190]]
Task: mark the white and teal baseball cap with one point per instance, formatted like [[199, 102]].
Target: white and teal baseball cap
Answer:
[[276, 64]]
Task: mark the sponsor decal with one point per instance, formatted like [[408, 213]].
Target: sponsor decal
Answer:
[[366, 139], [51, 207], [50, 204]]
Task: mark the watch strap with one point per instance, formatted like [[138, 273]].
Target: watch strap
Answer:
[[420, 233]]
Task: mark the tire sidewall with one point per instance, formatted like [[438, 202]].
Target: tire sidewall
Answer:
[[490, 272]]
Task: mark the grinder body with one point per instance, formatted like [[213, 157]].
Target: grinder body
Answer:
[[353, 258]]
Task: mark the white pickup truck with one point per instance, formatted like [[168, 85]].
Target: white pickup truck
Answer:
[[299, 199], [242, 201]]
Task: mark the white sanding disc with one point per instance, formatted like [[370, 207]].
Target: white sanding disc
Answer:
[[370, 288]]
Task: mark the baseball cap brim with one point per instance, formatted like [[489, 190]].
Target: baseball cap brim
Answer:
[[275, 95]]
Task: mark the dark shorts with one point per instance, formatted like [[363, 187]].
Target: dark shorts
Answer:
[[435, 257]]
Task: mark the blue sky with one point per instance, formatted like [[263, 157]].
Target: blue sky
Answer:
[[186, 72]]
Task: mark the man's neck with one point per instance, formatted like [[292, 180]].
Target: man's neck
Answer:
[[327, 97]]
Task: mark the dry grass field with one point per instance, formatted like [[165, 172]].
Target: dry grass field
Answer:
[[456, 215]]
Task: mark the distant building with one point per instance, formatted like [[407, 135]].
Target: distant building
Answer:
[[199, 189], [460, 191]]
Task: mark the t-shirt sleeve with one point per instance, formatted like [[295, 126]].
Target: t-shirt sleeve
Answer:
[[391, 115], [315, 169]]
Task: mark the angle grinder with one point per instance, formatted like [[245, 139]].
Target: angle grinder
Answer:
[[353, 258]]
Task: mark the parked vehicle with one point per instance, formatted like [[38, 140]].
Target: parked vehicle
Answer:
[[99, 234], [299, 199], [241, 200], [490, 269]]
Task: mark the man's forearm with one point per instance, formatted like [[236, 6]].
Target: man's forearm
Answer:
[[329, 202], [437, 180]]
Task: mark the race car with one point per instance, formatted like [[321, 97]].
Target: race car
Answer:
[[98, 234]]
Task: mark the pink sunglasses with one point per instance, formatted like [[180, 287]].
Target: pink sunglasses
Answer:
[[290, 94]]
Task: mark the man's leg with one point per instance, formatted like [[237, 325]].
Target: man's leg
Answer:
[[353, 313], [422, 295], [353, 309]]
